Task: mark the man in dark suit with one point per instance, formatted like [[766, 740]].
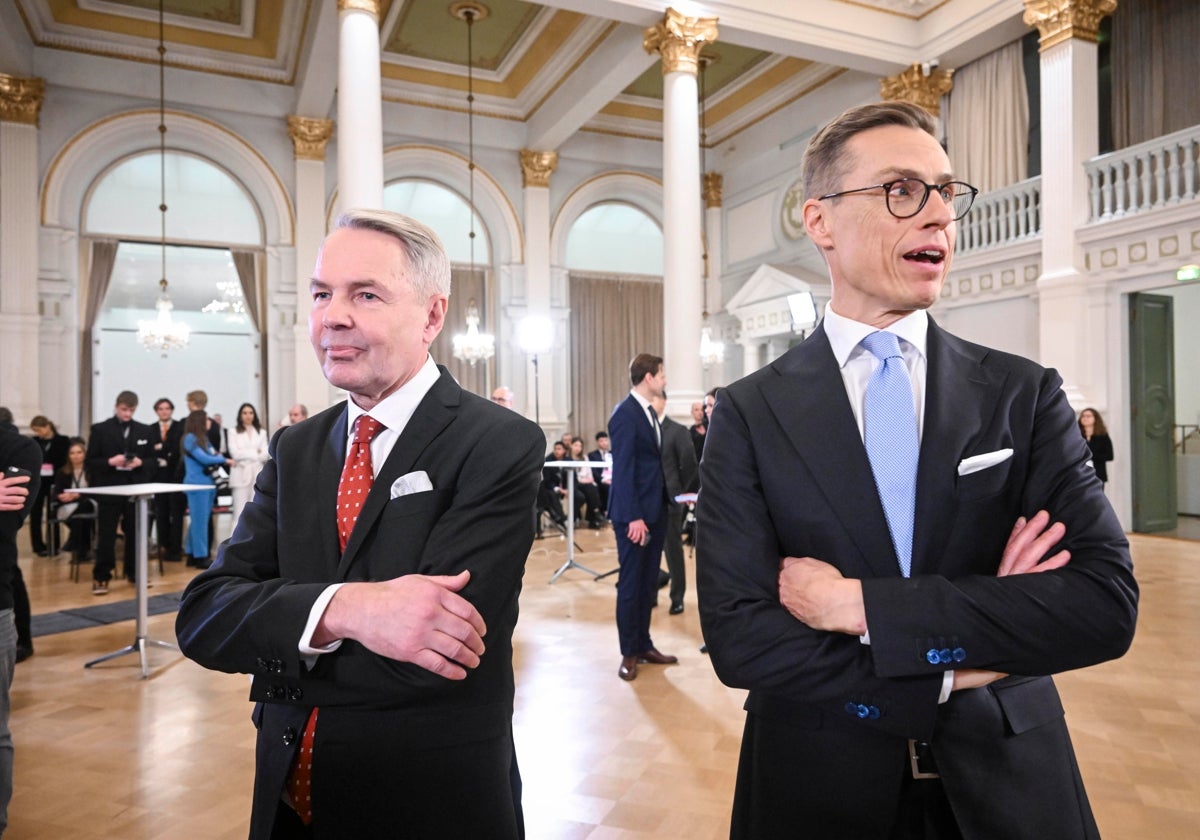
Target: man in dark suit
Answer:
[[637, 506], [361, 596], [875, 598], [681, 474], [118, 454], [602, 474], [169, 508]]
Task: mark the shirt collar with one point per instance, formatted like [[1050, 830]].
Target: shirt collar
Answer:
[[642, 401], [845, 335], [397, 408]]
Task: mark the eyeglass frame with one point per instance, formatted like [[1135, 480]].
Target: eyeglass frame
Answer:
[[929, 188]]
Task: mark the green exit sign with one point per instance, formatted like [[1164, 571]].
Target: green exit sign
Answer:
[[1188, 272]]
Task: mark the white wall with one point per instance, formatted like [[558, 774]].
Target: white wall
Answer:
[[1010, 325]]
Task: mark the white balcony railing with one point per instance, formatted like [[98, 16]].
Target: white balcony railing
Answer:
[[1002, 217], [1148, 176]]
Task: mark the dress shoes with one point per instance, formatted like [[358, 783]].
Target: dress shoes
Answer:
[[677, 608], [655, 657], [628, 669]]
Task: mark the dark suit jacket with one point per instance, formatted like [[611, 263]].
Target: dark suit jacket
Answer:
[[680, 469], [637, 490], [168, 450], [248, 612], [785, 473], [108, 439], [20, 452]]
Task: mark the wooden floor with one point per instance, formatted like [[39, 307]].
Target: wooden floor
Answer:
[[104, 754]]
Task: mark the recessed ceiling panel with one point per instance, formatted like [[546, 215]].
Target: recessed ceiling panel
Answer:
[[728, 62], [427, 30]]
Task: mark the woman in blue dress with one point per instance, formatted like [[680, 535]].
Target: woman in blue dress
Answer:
[[198, 454]]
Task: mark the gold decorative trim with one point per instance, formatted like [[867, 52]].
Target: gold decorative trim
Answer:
[[678, 39], [21, 99], [310, 136], [1062, 20], [371, 7], [915, 86], [714, 185], [536, 167]]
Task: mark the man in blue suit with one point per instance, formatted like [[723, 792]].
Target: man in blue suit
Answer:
[[637, 506], [896, 630]]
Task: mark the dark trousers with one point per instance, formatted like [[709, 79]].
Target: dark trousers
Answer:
[[111, 512], [674, 551], [637, 586], [168, 519], [586, 494], [37, 515], [21, 611]]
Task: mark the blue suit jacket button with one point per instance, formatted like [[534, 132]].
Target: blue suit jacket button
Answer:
[[959, 654], [852, 708], [863, 712], [944, 656], [931, 656], [873, 712]]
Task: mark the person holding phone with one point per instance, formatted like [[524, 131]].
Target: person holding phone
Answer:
[[119, 451]]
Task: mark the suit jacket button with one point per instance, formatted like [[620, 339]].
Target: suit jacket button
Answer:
[[278, 666], [296, 694], [852, 708], [873, 712], [931, 656], [272, 692], [289, 736], [863, 712], [945, 657], [261, 663], [959, 654]]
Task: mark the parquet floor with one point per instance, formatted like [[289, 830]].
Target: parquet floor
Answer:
[[102, 754]]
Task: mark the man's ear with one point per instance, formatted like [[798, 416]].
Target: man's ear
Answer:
[[435, 316], [816, 223]]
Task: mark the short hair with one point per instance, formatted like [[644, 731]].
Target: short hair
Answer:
[[825, 160], [198, 398], [41, 421], [303, 409], [426, 255], [642, 364], [127, 399], [601, 434], [6, 416], [162, 400]]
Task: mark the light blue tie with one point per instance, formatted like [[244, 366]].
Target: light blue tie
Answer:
[[890, 435]]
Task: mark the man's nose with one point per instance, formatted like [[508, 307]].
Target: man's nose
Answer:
[[336, 312], [936, 212]]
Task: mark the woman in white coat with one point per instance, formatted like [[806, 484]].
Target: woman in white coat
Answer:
[[248, 449]]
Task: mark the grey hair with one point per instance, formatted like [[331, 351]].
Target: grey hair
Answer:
[[426, 254]]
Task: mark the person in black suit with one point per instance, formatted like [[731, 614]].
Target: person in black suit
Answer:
[[118, 453], [1091, 426], [54, 455], [637, 506], [875, 600], [602, 454], [392, 657], [681, 474], [169, 508]]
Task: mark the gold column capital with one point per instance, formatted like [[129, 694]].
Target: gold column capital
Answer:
[[21, 99], [309, 136], [714, 184], [371, 7], [1061, 20], [536, 167], [914, 86], [678, 39]]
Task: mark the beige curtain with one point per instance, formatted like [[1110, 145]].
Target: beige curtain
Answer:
[[246, 265], [103, 258], [612, 320], [465, 286], [987, 120], [1155, 67]]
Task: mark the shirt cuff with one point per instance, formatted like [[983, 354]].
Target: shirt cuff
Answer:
[[947, 687], [314, 617]]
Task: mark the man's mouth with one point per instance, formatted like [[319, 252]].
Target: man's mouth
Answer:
[[934, 256]]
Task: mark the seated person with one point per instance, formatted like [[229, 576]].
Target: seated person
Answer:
[[585, 489], [554, 486]]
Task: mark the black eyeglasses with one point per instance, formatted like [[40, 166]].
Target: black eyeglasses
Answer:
[[906, 198]]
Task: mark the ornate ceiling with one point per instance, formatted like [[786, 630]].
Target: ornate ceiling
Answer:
[[558, 67]]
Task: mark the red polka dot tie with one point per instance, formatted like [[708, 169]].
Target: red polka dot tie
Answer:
[[357, 476]]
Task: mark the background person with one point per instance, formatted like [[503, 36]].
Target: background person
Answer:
[[166, 436], [70, 478], [1091, 426], [681, 474], [248, 449], [198, 456], [54, 455], [586, 493]]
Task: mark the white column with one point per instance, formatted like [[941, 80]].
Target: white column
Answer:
[[20, 103], [359, 105], [551, 398], [752, 356], [678, 39], [1071, 327]]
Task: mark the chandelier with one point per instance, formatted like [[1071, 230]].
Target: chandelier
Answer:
[[232, 301], [712, 352], [163, 333], [473, 346]]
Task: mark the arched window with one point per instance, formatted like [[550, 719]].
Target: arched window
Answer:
[[449, 214], [213, 234], [615, 238]]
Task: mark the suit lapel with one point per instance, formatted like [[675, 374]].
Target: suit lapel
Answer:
[[434, 413], [809, 402], [960, 397], [332, 459]]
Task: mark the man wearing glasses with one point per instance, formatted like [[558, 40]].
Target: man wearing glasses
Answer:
[[877, 561]]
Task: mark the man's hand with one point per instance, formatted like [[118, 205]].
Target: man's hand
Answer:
[[415, 618], [637, 532], [12, 493], [1028, 543], [815, 593]]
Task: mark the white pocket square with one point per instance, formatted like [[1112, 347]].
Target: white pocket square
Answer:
[[413, 482], [981, 462]]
